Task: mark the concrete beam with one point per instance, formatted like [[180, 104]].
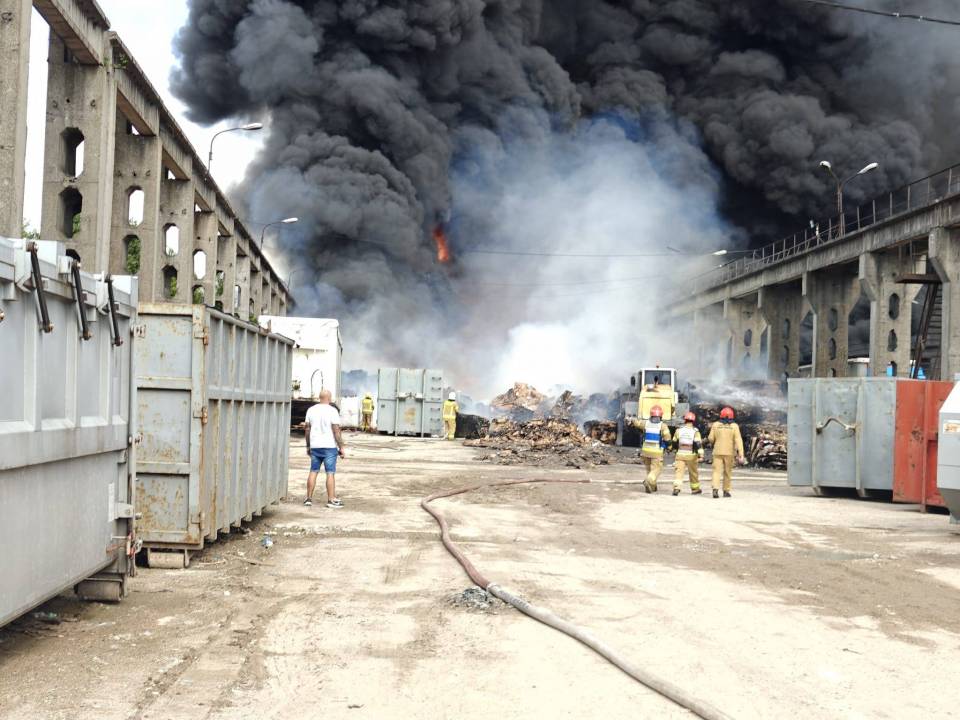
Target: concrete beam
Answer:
[[14, 63], [80, 24]]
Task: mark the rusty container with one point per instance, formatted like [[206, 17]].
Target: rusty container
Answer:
[[915, 447], [871, 435], [214, 416], [66, 427]]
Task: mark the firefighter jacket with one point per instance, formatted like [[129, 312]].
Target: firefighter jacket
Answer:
[[450, 409], [688, 442], [366, 406], [656, 437], [726, 439]]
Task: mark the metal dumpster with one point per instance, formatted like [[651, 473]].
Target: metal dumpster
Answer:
[[865, 434], [948, 474], [410, 402], [214, 415], [66, 452]]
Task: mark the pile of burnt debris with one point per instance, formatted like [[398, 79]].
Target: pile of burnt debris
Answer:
[[544, 441]]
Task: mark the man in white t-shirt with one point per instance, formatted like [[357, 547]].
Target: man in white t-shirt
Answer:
[[324, 445]]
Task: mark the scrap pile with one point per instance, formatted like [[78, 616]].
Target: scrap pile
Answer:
[[548, 441], [520, 403], [472, 427], [604, 431], [761, 412]]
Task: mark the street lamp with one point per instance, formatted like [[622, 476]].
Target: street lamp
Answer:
[[249, 127], [295, 271], [285, 221], [842, 183]]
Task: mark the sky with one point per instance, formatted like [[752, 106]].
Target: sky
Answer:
[[148, 28]]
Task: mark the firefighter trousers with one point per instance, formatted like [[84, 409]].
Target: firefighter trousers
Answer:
[[450, 428], [366, 420], [654, 466], [690, 464], [723, 467]]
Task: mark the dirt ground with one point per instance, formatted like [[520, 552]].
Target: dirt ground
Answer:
[[773, 604]]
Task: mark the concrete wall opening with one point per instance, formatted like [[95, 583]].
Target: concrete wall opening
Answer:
[[786, 330], [892, 341], [71, 204], [171, 240], [135, 198], [199, 264], [235, 305], [221, 278], [858, 329], [893, 306], [786, 356], [832, 349], [72, 141], [131, 251], [198, 295], [806, 340], [170, 282], [833, 319], [748, 338]]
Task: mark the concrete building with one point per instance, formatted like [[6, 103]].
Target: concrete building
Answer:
[[879, 257], [122, 185]]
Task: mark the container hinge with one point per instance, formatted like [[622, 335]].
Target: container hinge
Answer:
[[139, 330], [204, 335], [124, 510], [196, 519], [202, 414]]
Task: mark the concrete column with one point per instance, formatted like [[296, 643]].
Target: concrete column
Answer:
[[710, 341], [746, 324], [242, 309], [81, 99], [205, 239], [14, 65], [783, 309], [137, 166], [944, 253], [176, 208], [256, 286], [227, 264], [890, 311], [831, 295]]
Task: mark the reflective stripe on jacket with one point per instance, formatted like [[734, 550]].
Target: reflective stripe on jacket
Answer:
[[656, 436], [450, 409], [689, 443]]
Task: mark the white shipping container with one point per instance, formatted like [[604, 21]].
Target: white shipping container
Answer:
[[318, 355]]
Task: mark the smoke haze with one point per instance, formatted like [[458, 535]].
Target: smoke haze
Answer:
[[555, 126]]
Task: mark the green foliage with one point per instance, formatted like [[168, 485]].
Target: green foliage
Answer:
[[28, 233], [220, 279], [133, 255], [76, 224], [172, 287], [198, 296]]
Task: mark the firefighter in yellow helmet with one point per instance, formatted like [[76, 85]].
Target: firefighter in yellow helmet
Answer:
[[450, 410], [656, 437], [366, 413], [689, 446], [727, 443]]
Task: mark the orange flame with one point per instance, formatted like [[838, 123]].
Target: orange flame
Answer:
[[443, 247]]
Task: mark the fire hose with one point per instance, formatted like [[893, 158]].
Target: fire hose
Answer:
[[665, 688]]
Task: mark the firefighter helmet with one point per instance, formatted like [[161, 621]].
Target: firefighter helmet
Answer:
[[689, 417], [656, 412], [726, 413]]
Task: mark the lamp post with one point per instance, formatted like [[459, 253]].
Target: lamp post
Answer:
[[842, 183], [250, 127], [295, 271], [285, 221]]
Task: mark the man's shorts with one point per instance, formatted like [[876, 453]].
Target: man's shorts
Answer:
[[323, 457]]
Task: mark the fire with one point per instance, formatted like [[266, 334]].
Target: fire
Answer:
[[443, 247]]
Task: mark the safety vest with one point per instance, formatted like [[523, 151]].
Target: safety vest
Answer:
[[653, 439], [450, 410], [686, 438], [367, 405]]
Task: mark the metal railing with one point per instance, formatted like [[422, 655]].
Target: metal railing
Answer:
[[919, 194]]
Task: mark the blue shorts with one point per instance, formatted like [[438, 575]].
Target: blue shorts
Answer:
[[323, 457]]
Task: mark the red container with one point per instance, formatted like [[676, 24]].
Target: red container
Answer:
[[915, 451]]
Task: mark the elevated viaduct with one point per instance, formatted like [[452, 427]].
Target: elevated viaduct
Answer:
[[884, 252], [122, 185]]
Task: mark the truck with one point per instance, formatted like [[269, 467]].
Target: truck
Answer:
[[317, 358], [649, 387]]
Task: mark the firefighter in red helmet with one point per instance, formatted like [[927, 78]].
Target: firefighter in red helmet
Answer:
[[656, 437], [689, 446], [727, 444]]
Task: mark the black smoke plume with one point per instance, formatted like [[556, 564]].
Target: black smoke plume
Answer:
[[390, 117]]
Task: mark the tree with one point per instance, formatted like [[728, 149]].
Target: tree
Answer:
[[27, 232]]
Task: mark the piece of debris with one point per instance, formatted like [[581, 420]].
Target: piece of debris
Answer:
[[541, 442], [50, 618], [604, 431], [520, 403], [472, 427], [477, 599], [267, 541]]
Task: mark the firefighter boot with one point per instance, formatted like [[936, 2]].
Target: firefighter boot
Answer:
[[716, 493]]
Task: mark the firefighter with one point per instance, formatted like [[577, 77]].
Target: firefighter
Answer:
[[366, 413], [450, 410], [656, 437], [689, 447], [727, 443]]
